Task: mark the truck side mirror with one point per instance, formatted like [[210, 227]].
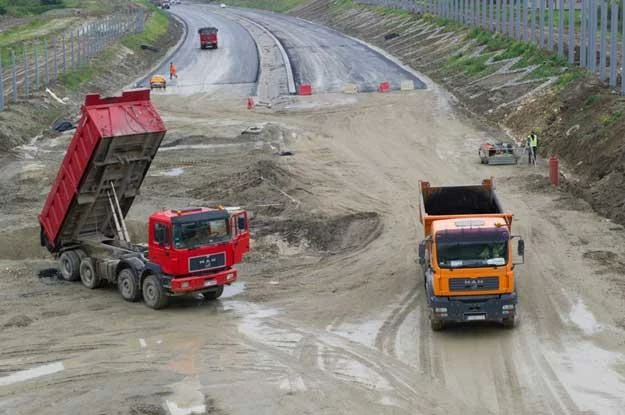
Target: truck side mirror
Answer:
[[521, 247], [241, 223], [422, 252]]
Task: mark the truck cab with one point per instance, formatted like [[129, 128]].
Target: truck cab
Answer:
[[208, 37], [192, 249]]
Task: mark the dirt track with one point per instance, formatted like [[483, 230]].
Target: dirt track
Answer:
[[331, 318]]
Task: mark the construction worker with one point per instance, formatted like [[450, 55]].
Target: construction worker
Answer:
[[172, 71], [532, 146]]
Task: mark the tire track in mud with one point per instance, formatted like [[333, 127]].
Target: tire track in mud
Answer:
[[507, 385], [387, 335], [558, 399], [332, 349]]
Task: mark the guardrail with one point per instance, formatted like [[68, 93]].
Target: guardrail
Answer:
[[594, 28]]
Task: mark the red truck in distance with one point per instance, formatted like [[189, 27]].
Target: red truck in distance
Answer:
[[188, 251], [208, 37]]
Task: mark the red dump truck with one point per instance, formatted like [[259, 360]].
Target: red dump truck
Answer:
[[467, 255], [208, 37], [188, 251]]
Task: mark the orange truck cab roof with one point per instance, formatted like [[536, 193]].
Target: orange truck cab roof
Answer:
[[468, 223]]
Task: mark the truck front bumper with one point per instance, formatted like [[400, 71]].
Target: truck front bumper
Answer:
[[473, 308], [201, 283]]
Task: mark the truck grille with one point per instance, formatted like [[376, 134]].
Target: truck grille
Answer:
[[473, 284], [204, 262]]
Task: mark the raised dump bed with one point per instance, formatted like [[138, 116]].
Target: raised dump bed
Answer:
[[112, 149]]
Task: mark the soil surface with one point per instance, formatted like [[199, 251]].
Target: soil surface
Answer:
[[329, 314]]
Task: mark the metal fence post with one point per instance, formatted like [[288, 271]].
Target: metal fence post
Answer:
[[497, 15], [613, 32], [1, 84], [511, 16], [551, 4], [26, 80], [517, 20], [560, 28], [583, 36], [603, 40], [504, 17], [541, 22], [593, 36], [533, 20], [64, 54], [55, 53], [14, 64], [572, 32], [45, 49], [623, 47], [36, 50]]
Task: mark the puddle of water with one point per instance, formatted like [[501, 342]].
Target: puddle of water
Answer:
[[389, 401], [32, 373], [589, 371], [177, 171], [186, 398], [349, 369], [363, 333], [293, 384], [584, 319], [174, 172], [233, 289]]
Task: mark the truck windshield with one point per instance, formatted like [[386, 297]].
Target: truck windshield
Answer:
[[472, 248], [201, 232]]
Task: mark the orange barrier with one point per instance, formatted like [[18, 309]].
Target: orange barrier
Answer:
[[304, 89], [384, 86], [250, 103]]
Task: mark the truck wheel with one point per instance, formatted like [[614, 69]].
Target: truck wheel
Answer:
[[127, 285], [87, 274], [437, 325], [508, 322], [153, 293], [213, 295], [70, 265]]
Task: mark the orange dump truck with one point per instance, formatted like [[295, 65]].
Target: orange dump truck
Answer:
[[467, 255]]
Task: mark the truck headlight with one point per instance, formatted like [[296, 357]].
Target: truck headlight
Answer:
[[508, 307], [440, 309], [230, 277], [184, 284]]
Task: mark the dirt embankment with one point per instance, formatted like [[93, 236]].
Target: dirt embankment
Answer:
[[582, 122], [117, 66]]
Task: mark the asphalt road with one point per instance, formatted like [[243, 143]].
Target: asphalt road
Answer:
[[232, 68], [318, 55], [327, 59]]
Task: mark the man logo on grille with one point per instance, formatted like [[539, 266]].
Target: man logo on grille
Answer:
[[473, 284]]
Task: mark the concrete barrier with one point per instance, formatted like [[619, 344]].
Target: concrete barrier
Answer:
[[407, 85], [350, 89]]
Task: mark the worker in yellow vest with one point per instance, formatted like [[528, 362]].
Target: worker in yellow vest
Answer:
[[532, 146]]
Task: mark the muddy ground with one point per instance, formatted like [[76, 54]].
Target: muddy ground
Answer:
[[328, 316]]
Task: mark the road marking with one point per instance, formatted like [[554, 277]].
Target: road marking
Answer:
[[143, 343], [32, 373]]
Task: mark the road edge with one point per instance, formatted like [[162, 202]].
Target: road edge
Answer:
[[285, 57], [172, 51]]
